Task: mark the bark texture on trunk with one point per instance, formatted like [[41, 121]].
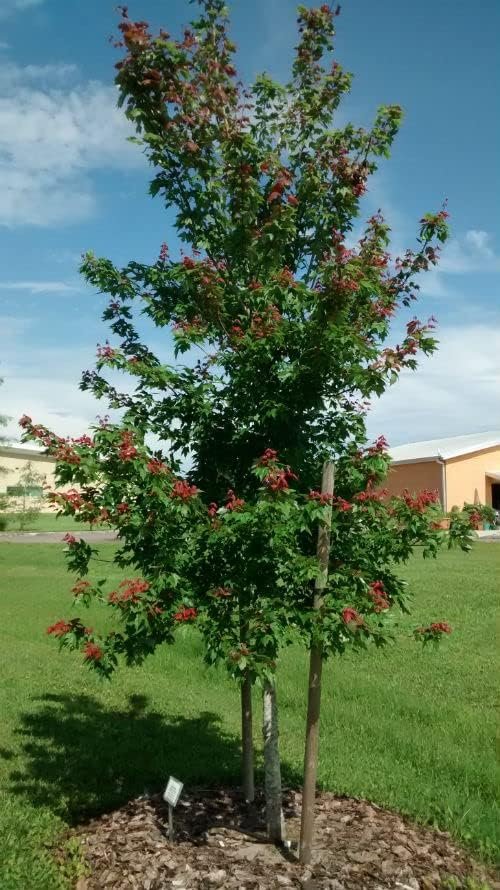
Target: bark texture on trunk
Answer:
[[247, 739], [314, 689], [272, 767]]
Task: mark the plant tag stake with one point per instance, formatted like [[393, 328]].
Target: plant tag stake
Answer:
[[171, 796]]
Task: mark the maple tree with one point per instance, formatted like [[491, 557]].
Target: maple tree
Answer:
[[284, 317]]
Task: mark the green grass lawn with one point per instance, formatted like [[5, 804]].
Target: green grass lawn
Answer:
[[411, 729], [45, 522]]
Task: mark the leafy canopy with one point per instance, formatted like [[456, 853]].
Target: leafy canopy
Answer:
[[284, 318]]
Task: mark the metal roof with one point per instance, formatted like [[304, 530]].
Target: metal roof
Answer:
[[444, 449], [26, 452]]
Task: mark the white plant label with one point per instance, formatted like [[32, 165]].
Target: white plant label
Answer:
[[173, 791]]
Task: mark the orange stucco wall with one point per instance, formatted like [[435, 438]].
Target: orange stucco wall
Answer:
[[467, 473], [415, 477]]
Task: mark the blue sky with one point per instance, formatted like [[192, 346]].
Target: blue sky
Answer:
[[70, 182]]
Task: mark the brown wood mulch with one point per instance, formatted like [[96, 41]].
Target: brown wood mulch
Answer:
[[358, 846]]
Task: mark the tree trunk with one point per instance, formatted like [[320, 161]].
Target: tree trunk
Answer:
[[314, 691], [247, 739], [272, 768]]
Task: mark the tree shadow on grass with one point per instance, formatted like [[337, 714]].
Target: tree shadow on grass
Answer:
[[80, 758]]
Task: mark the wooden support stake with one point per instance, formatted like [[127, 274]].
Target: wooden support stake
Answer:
[[314, 690]]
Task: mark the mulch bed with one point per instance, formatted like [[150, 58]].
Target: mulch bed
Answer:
[[358, 846]]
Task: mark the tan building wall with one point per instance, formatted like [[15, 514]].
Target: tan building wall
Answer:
[[467, 473], [14, 460], [415, 477]]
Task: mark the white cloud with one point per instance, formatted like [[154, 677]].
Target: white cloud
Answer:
[[40, 287], [44, 382], [470, 253], [12, 75], [40, 199], [432, 283], [51, 139], [480, 242], [37, 396], [8, 7], [455, 391], [45, 386]]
